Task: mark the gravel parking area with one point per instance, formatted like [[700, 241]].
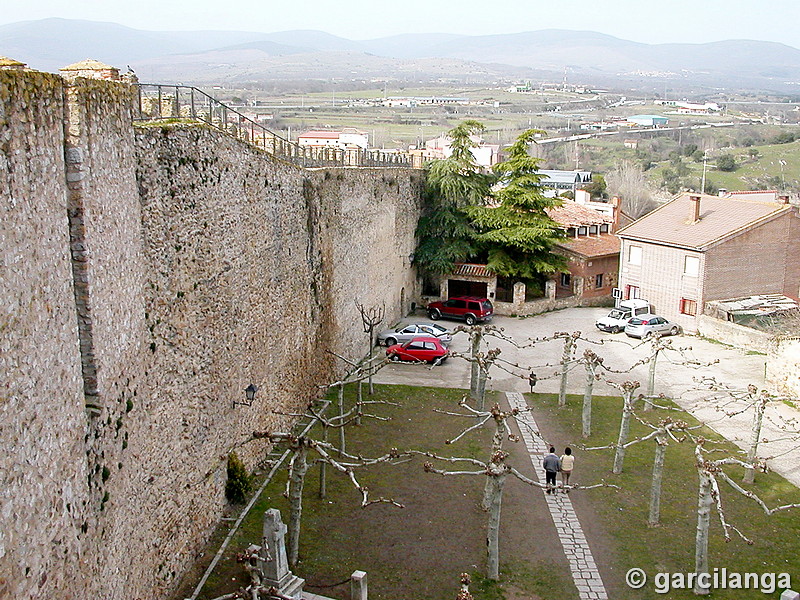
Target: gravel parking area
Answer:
[[674, 377]]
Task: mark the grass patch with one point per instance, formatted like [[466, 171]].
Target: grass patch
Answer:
[[670, 547], [419, 551]]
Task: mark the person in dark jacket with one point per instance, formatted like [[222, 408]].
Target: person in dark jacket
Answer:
[[552, 465]]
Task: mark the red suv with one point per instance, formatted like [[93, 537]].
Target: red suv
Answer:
[[470, 308]]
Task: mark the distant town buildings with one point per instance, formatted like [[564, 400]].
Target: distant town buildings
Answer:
[[346, 139], [486, 155], [690, 108], [648, 120]]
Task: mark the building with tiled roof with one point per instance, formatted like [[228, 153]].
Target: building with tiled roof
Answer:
[[697, 248], [591, 249]]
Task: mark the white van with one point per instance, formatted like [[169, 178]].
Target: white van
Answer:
[[619, 316]]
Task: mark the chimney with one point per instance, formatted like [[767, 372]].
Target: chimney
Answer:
[[616, 202], [694, 203]]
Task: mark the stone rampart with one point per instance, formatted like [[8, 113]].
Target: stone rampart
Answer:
[[148, 276]]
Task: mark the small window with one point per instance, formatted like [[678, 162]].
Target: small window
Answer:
[[631, 292], [635, 255], [691, 266], [581, 230], [593, 229], [603, 228], [566, 279], [688, 307], [598, 280]]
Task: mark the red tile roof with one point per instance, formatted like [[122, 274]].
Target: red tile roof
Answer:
[[592, 246], [470, 270], [572, 214], [720, 218]]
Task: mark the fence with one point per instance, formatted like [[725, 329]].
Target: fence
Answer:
[[158, 102]]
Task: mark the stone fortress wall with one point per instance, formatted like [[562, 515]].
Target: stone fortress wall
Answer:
[[148, 275]]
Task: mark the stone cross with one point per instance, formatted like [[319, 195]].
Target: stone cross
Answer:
[[274, 533], [273, 562]]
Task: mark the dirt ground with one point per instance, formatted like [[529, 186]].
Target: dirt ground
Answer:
[[418, 551]]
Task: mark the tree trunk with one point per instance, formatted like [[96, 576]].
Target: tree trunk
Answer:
[[755, 434], [493, 532], [474, 373], [565, 358], [359, 401], [704, 503], [500, 433], [340, 401], [651, 379], [655, 489], [482, 377], [296, 503], [323, 483], [371, 354], [586, 415], [624, 429]]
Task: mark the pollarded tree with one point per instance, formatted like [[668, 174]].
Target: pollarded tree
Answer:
[[514, 229], [454, 183]]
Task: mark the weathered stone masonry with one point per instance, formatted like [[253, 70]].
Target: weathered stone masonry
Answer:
[[148, 275]]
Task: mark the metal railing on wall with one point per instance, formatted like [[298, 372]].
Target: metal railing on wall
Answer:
[[157, 102]]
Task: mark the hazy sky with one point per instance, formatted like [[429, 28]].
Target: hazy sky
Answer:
[[638, 20]]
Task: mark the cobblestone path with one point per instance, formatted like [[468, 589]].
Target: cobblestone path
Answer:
[[581, 563]]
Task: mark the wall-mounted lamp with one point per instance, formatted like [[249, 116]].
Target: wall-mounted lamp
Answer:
[[249, 394]]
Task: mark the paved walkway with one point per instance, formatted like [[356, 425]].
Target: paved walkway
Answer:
[[581, 563]]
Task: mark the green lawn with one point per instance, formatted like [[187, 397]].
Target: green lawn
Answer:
[[419, 551], [670, 547]]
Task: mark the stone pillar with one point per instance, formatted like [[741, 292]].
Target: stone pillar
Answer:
[[519, 293], [358, 585], [550, 289], [273, 561], [577, 286]]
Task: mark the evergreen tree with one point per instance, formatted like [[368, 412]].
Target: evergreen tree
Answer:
[[445, 235], [514, 229]]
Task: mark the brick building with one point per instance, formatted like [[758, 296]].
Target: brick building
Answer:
[[696, 248], [591, 249]]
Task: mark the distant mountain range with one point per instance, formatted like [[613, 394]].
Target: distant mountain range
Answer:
[[227, 57]]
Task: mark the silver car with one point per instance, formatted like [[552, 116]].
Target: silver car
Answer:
[[405, 333], [643, 326]]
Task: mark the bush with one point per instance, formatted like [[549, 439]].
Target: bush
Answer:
[[239, 482], [726, 162], [785, 137]]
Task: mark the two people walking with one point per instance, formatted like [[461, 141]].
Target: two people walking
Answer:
[[554, 464]]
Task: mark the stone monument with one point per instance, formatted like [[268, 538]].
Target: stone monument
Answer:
[[272, 560]]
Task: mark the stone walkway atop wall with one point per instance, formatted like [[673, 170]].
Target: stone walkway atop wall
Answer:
[[576, 548]]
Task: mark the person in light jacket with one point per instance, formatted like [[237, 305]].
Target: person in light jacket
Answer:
[[567, 463]]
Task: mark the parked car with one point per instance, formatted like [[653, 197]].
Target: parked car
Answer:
[[469, 308], [646, 325], [419, 349], [618, 318], [404, 333]]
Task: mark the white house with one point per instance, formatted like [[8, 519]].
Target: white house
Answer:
[[347, 138]]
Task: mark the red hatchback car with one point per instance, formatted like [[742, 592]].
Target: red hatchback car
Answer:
[[470, 308], [420, 349]]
